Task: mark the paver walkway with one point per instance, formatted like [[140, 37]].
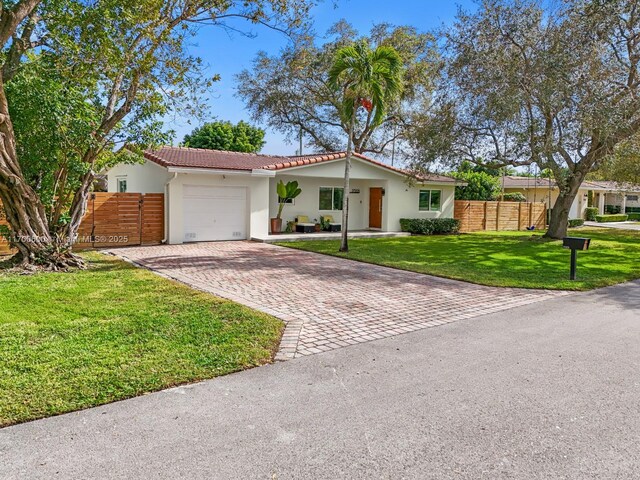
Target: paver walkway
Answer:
[[327, 302]]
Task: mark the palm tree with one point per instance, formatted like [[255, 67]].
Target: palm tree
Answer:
[[370, 79]]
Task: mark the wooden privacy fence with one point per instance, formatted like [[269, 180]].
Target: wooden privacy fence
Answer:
[[118, 219], [476, 216], [122, 219]]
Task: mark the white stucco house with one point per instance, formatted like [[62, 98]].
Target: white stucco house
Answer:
[[214, 195], [606, 196]]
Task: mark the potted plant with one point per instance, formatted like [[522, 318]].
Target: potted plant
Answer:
[[286, 192], [324, 224]]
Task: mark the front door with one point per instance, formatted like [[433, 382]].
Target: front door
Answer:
[[375, 207]]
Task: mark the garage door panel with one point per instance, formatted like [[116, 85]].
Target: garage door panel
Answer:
[[214, 213]]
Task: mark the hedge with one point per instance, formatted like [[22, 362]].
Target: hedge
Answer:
[[575, 222], [514, 197], [634, 216], [612, 218], [591, 213], [612, 209], [430, 226]]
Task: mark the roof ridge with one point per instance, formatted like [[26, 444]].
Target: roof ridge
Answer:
[[249, 154]]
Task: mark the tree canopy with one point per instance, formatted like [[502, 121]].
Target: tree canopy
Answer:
[[555, 84], [240, 137], [291, 91], [105, 74], [623, 166]]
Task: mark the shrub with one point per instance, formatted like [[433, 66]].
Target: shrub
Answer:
[[634, 216], [591, 213], [575, 222], [430, 226], [612, 209], [514, 197], [479, 186], [612, 218]]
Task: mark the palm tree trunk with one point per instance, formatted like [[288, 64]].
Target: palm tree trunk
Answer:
[[344, 244]]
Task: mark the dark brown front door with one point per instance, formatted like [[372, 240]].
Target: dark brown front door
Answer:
[[375, 207]]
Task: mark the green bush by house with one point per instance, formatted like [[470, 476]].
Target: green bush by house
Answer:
[[591, 213], [613, 209], [430, 226], [634, 216], [575, 222], [514, 197], [612, 218]]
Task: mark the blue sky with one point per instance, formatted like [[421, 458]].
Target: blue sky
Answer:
[[228, 53]]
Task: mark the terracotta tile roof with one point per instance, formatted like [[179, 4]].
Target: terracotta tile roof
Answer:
[[183, 157]]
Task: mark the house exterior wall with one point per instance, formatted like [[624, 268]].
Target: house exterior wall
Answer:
[[146, 177], [307, 202], [257, 201], [399, 201], [403, 202], [615, 199]]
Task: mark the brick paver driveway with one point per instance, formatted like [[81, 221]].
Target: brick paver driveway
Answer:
[[327, 302]]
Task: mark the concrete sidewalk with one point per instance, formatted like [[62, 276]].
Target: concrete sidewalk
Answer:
[[549, 391], [615, 225]]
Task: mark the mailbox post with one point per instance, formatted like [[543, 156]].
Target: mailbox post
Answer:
[[575, 244]]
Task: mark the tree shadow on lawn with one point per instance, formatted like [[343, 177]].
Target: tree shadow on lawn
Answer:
[[499, 259]]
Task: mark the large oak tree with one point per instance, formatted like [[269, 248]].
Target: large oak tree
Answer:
[[527, 83], [291, 91]]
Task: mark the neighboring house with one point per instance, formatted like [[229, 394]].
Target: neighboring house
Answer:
[[215, 195], [618, 197], [607, 196]]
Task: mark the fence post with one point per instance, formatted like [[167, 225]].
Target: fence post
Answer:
[[498, 217], [140, 213], [93, 220], [485, 216], [520, 216], [531, 214]]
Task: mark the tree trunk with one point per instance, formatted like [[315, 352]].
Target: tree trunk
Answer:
[[344, 244], [26, 215], [78, 207], [559, 219]]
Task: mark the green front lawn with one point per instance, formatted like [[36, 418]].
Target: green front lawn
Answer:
[[76, 340], [504, 259]]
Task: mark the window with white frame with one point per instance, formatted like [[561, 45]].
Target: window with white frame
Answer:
[[430, 200], [122, 185], [330, 198]]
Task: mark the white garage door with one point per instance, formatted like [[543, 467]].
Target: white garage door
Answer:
[[214, 213]]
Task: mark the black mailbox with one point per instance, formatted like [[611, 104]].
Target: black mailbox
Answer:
[[576, 243]]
